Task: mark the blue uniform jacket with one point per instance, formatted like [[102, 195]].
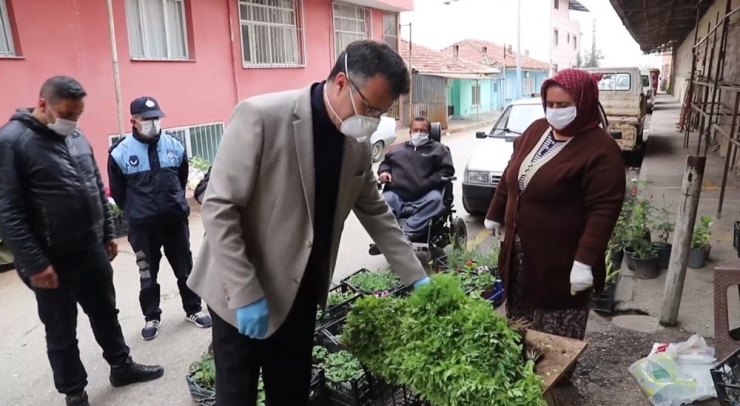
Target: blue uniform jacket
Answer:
[[147, 179]]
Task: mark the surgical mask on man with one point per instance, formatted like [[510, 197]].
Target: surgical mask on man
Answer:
[[560, 118], [419, 138], [357, 126], [150, 128], [63, 127]]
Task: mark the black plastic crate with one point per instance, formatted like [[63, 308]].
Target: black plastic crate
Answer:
[[317, 396], [337, 311], [396, 395], [390, 291], [736, 237], [605, 302], [726, 377]]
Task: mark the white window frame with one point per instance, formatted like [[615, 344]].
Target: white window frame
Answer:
[[395, 34], [298, 26], [476, 90], [167, 31], [368, 24], [186, 129], [7, 30]]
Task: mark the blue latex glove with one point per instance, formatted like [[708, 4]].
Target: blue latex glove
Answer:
[[252, 319], [421, 282]]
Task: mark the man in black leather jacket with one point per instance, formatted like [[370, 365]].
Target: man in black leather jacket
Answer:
[[56, 219]]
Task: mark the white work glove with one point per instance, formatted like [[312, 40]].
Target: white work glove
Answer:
[[495, 228], [581, 278]]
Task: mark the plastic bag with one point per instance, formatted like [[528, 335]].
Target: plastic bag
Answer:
[[663, 381], [677, 373]]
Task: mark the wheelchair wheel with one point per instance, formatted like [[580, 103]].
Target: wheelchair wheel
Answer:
[[459, 234]]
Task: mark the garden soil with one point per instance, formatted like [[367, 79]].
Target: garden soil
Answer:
[[602, 378]]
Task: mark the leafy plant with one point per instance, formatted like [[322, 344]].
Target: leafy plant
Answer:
[[638, 230], [460, 259], [702, 233], [620, 235], [663, 224], [611, 271], [340, 368], [374, 281], [203, 374], [199, 164], [448, 347], [336, 298], [115, 210]]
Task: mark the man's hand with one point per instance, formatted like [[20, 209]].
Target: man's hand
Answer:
[[252, 320], [46, 279], [112, 248], [385, 177]]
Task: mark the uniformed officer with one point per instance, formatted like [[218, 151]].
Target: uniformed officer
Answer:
[[148, 173]]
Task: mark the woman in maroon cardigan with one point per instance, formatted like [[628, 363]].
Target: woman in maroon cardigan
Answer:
[[556, 206]]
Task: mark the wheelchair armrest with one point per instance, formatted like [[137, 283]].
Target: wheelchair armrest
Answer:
[[449, 178]]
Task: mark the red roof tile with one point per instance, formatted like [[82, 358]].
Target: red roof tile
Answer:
[[430, 62], [490, 54]]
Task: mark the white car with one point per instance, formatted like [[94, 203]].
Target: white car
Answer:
[[487, 163], [382, 137], [647, 85], [489, 160]]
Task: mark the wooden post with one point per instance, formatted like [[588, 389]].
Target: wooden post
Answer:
[[687, 208]]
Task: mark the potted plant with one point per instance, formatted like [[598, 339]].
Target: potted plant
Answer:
[[120, 225], [645, 260], [605, 301], [664, 227], [638, 231], [700, 246], [618, 240]]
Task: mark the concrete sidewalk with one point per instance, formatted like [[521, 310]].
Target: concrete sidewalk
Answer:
[[662, 173]]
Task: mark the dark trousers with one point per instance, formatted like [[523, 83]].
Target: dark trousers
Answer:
[[149, 240], [86, 278], [284, 357]]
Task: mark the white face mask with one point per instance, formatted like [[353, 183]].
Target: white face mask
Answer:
[[560, 118], [419, 138], [150, 128], [356, 126], [63, 127]]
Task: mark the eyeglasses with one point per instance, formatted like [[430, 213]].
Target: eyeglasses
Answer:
[[370, 111]]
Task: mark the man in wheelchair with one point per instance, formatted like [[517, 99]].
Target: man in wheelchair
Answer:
[[412, 175]]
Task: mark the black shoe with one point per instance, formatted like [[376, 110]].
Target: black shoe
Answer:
[[374, 250], [150, 330], [200, 319], [130, 372], [77, 400]]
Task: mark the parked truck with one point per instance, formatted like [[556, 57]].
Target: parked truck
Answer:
[[625, 103]]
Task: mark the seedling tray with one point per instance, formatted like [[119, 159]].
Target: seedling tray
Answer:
[[726, 377], [340, 310], [197, 393], [380, 293], [605, 302]]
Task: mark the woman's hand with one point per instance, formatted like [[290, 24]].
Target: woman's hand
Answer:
[[581, 278]]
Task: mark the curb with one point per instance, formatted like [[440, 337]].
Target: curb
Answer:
[[469, 127]]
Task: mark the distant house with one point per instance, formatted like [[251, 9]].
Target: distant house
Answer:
[[534, 72], [448, 86]]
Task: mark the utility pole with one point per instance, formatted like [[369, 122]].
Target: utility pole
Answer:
[[685, 220], [518, 49], [593, 62], [116, 72]]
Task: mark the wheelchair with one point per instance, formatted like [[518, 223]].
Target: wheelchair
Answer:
[[444, 229]]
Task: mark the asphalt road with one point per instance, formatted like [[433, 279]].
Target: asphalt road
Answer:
[[25, 376]]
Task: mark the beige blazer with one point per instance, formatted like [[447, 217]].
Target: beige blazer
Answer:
[[259, 207]]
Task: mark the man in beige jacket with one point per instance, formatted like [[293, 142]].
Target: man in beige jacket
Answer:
[[289, 169]]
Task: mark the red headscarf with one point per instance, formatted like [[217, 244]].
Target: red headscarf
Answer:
[[583, 88]]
